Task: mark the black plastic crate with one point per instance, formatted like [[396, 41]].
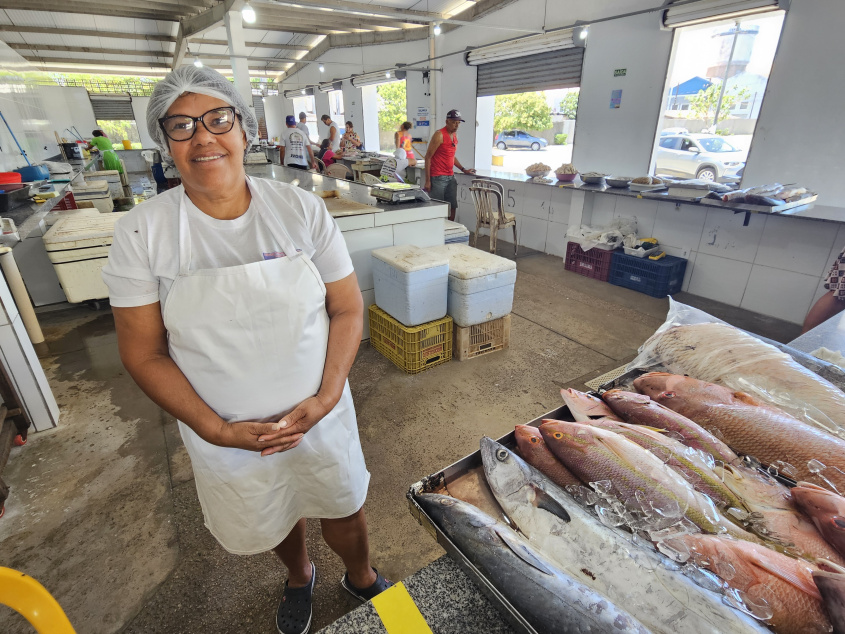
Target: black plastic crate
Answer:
[[657, 278]]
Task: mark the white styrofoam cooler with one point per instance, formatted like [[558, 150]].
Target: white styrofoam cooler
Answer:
[[78, 247], [112, 177], [96, 192], [411, 283], [480, 284]]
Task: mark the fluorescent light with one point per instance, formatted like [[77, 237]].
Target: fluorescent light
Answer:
[[198, 62], [322, 68], [303, 91], [584, 33], [387, 74], [248, 13], [437, 29]]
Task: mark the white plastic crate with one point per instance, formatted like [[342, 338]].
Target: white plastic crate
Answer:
[[480, 284], [411, 284]]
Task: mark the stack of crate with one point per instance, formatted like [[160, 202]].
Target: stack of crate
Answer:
[[480, 299]]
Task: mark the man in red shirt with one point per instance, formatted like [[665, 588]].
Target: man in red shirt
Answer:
[[440, 162]]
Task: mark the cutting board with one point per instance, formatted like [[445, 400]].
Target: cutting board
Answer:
[[339, 207]]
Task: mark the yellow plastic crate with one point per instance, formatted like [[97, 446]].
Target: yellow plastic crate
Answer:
[[412, 349], [474, 341]]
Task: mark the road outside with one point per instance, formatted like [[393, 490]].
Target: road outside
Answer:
[[517, 160]]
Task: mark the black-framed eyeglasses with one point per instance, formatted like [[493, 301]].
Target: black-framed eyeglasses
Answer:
[[181, 127]]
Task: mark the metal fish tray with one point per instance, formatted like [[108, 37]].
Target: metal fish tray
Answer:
[[466, 479]]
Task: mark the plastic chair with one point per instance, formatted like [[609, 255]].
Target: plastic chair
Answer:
[[369, 179], [488, 197], [338, 170], [25, 595], [321, 167]]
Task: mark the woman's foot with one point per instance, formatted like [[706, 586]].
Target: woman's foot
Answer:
[[365, 594], [294, 613]]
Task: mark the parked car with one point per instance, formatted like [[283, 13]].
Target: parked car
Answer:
[[511, 139], [674, 131], [705, 156]]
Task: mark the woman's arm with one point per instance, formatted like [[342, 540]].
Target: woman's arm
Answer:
[[142, 342], [345, 308]]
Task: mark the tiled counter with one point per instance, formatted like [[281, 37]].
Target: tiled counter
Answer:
[[775, 265]]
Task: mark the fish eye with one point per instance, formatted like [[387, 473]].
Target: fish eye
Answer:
[[558, 435], [667, 395], [502, 454], [447, 502], [838, 522], [534, 439]]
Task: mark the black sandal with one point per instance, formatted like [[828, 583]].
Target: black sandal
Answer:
[[294, 613], [380, 585]]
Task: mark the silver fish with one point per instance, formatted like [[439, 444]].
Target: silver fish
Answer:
[[603, 558], [550, 600]]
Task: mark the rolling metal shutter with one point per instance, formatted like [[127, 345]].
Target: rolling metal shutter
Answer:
[[112, 107], [258, 104], [543, 71], [709, 10]]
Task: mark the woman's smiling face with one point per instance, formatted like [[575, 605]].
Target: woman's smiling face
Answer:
[[207, 161]]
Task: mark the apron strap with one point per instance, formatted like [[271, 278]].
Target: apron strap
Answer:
[[270, 219]]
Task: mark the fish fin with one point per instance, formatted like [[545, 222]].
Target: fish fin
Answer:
[[543, 500], [522, 551], [746, 398], [770, 565]]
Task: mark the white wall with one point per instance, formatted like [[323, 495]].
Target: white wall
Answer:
[[66, 107], [620, 140], [458, 91], [353, 106], [485, 116], [274, 114], [800, 136], [369, 98], [139, 108]]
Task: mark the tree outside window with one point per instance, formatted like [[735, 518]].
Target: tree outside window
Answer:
[[392, 111]]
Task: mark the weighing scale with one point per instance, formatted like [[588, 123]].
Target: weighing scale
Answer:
[[397, 192]]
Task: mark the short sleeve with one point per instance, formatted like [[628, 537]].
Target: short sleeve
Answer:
[[331, 256], [127, 273]]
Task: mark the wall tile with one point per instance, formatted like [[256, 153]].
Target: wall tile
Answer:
[[604, 208], [556, 239], [643, 209], [725, 237], [795, 244], [835, 250], [679, 226], [560, 203], [682, 253], [532, 233], [536, 201], [514, 194], [506, 235], [719, 278], [778, 293]]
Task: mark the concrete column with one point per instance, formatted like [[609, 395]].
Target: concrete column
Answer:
[[369, 97], [237, 50]]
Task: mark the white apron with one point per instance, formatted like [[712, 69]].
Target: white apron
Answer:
[[252, 340]]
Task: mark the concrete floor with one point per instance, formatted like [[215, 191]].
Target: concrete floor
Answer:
[[103, 509]]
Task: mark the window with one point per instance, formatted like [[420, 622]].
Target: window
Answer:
[[670, 143], [120, 129], [306, 104], [336, 104], [715, 86], [687, 145], [392, 112]]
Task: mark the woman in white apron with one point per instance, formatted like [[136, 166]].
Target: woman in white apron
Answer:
[[238, 312]]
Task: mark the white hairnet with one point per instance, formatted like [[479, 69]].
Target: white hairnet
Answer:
[[203, 81]]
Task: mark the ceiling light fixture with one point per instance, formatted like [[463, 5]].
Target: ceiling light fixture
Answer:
[[303, 91], [437, 29], [322, 68], [248, 13], [387, 74], [584, 33], [198, 62]]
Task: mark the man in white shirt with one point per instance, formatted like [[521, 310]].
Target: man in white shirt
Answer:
[[296, 148], [303, 125], [334, 132]]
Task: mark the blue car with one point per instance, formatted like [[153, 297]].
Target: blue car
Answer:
[[513, 139]]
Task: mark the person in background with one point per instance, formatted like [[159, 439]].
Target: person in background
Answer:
[[296, 149], [402, 140], [303, 125], [238, 312], [334, 133], [102, 143], [440, 162], [831, 303], [350, 139], [325, 154]]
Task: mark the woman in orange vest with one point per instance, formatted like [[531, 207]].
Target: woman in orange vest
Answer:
[[402, 139]]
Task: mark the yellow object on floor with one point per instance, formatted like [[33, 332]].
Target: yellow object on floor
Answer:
[[25, 595], [399, 613]]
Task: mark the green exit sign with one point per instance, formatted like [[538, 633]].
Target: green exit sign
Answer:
[[620, 72]]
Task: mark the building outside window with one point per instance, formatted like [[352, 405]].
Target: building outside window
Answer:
[[714, 91]]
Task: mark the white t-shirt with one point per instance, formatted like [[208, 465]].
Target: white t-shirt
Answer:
[[144, 255], [296, 147], [337, 135], [304, 127]]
